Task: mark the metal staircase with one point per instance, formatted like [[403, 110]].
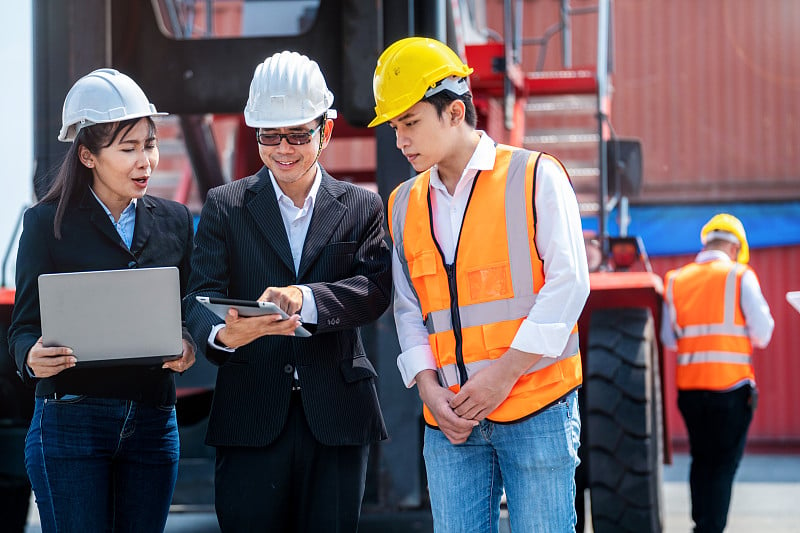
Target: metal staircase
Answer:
[[566, 110], [563, 110]]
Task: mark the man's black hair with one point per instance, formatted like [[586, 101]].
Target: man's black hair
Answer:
[[442, 99]]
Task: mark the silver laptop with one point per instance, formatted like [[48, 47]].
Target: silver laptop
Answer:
[[113, 316]]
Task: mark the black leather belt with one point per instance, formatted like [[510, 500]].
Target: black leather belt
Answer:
[[55, 396]]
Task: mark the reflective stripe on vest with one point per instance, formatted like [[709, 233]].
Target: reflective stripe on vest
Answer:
[[714, 356], [448, 375], [511, 310]]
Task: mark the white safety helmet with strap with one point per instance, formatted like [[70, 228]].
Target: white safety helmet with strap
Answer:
[[104, 95], [288, 89]]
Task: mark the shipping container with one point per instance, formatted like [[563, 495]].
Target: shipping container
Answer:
[[711, 88]]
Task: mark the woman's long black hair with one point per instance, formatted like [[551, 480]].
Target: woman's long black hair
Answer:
[[73, 177]]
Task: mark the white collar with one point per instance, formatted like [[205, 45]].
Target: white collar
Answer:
[[707, 256], [482, 159], [312, 193]]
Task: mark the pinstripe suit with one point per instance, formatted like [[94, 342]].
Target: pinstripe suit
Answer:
[[241, 248]]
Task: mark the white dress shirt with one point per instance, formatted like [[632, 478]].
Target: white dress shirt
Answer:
[[757, 316], [559, 241], [296, 221]]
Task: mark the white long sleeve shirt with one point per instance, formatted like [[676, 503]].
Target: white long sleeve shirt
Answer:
[[559, 241], [296, 220], [757, 316]]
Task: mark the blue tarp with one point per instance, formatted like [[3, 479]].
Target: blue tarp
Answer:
[[675, 229]]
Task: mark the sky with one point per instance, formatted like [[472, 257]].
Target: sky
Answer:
[[16, 135]]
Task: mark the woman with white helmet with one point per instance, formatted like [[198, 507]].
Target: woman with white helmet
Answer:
[[292, 418], [102, 450]]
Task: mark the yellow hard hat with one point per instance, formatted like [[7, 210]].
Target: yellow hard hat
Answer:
[[731, 225], [407, 70]]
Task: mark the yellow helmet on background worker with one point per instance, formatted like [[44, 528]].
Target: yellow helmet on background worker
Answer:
[[727, 227], [410, 70]]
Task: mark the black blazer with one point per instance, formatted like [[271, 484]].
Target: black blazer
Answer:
[[162, 237], [241, 248]]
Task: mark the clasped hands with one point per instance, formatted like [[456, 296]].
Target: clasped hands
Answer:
[[458, 413], [239, 330]]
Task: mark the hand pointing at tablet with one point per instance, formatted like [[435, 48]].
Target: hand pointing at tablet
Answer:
[[290, 298]]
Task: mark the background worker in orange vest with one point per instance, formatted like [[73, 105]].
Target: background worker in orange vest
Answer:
[[490, 276], [716, 315]]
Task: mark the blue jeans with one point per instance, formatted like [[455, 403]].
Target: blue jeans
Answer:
[[100, 465], [534, 459]]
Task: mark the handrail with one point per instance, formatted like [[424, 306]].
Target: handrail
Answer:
[[513, 56], [566, 34], [562, 26], [11, 246], [603, 25]]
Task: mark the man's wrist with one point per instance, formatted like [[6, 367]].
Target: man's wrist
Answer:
[[517, 363], [426, 380], [219, 340], [300, 290]]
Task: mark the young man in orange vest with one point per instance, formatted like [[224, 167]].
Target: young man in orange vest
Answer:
[[490, 277], [715, 314]]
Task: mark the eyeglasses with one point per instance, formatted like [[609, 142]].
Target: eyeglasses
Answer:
[[274, 139]]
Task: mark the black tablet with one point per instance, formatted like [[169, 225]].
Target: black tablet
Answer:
[[246, 308]]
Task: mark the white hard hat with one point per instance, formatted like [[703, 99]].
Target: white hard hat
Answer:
[[104, 95], [288, 89]]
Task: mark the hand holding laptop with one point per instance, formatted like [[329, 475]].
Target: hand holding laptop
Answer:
[[101, 315], [45, 362]]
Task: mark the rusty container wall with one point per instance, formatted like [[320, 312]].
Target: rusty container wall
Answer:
[[777, 419], [713, 90]]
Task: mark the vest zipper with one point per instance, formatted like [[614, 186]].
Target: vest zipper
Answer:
[[456, 318], [452, 285]]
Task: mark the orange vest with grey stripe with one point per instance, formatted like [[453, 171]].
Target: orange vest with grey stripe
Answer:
[[714, 350], [472, 310]]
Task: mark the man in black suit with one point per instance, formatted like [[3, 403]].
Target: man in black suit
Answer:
[[292, 418]]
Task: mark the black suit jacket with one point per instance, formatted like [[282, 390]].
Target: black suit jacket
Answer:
[[162, 237], [241, 248]]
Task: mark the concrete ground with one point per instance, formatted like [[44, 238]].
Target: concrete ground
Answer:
[[766, 497]]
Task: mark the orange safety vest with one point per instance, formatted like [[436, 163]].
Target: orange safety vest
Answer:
[[473, 310], [714, 349]]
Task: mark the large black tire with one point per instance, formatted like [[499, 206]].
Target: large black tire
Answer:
[[623, 422]]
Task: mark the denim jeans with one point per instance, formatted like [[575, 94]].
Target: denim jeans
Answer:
[[99, 465], [534, 460]]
